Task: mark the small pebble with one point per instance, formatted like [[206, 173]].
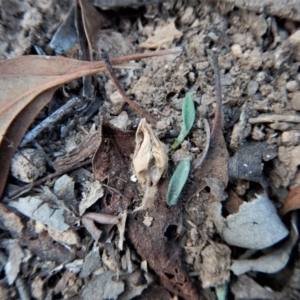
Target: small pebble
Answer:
[[28, 170], [236, 50], [191, 77], [292, 86], [290, 138], [296, 101], [252, 87], [188, 17]]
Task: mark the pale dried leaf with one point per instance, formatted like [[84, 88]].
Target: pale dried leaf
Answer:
[[255, 226], [104, 285], [150, 161], [94, 193], [150, 158], [68, 237], [12, 267], [36, 209], [273, 261], [163, 37], [91, 263]]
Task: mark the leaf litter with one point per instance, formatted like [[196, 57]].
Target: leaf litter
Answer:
[[180, 243]]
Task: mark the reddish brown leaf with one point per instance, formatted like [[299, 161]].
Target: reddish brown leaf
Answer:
[[158, 244], [292, 201]]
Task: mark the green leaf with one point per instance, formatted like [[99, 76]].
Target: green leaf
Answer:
[[178, 181], [188, 118]]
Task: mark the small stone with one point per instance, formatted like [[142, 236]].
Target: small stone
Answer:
[[252, 87], [188, 17], [294, 40], [292, 86], [236, 50], [296, 101], [290, 138], [30, 168], [257, 133], [117, 102], [202, 65], [191, 77]]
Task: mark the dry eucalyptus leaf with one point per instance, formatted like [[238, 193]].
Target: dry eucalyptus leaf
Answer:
[[64, 188], [38, 210], [275, 260], [255, 226], [94, 193], [163, 37], [13, 264]]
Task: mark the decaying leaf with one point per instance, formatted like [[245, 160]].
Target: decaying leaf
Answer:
[[255, 226], [292, 201], [37, 209], [188, 118], [178, 181], [13, 264], [150, 161], [163, 36], [157, 244], [37, 78], [274, 260]]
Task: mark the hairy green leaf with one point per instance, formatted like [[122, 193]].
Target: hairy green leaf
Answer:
[[178, 181], [188, 118]]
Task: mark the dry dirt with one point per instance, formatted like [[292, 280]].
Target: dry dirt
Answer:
[[259, 66]]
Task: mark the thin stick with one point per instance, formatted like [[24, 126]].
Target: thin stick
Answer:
[[114, 79], [29, 186], [52, 119], [218, 113]]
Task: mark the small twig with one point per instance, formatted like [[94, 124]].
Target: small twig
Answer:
[[218, 113], [56, 116], [114, 79], [29, 186]]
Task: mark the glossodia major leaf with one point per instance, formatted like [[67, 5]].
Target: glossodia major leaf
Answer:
[[178, 181]]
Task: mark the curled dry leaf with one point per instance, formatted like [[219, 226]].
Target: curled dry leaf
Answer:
[[150, 161], [291, 202], [274, 260], [255, 226]]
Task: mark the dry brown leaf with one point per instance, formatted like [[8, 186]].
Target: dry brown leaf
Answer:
[[163, 37], [154, 243], [292, 201], [36, 78], [150, 161]]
